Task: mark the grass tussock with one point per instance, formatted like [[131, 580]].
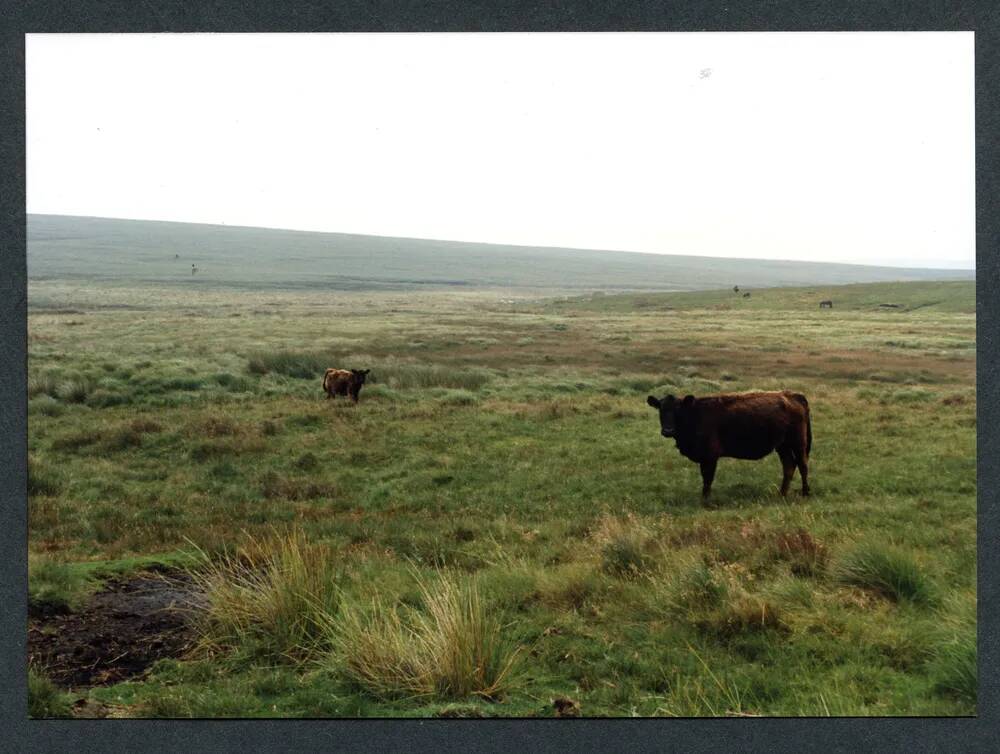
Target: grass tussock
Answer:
[[74, 390], [298, 364], [42, 482], [887, 571], [407, 376], [624, 544], [272, 597], [392, 374], [45, 700], [215, 426], [718, 599], [236, 445], [805, 555], [569, 587], [45, 405], [42, 384], [756, 545], [954, 666], [953, 662], [452, 648], [234, 383], [55, 586], [75, 441], [274, 486]]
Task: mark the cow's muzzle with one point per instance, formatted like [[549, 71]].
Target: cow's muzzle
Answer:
[[668, 433]]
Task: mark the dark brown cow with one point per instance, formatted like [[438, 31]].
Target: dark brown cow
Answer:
[[739, 425], [344, 382]]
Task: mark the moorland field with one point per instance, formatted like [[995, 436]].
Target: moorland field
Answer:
[[498, 528]]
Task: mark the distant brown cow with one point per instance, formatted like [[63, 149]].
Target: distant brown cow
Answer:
[[739, 425], [344, 382], [826, 304]]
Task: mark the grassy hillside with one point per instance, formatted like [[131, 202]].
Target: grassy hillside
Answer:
[[126, 252], [498, 528]]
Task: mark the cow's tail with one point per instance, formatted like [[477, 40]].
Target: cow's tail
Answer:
[[809, 428], [326, 380]]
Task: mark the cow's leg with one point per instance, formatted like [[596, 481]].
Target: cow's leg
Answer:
[[802, 459], [707, 475], [787, 466], [803, 464]]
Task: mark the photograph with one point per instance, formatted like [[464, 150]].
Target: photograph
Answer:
[[501, 375]]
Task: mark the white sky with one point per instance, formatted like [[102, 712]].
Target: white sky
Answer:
[[850, 147]]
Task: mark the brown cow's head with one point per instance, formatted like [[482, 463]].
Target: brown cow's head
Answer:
[[358, 376], [672, 412]]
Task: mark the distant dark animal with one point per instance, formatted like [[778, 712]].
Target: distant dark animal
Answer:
[[746, 295], [193, 269], [736, 289], [825, 304], [739, 425], [344, 382]]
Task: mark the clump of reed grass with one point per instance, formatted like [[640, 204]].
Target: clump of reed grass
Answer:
[[271, 597], [451, 648]]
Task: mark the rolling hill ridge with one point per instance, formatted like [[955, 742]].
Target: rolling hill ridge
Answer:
[[154, 252]]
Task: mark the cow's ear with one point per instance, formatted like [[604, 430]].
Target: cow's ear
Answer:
[[688, 401], [654, 402]]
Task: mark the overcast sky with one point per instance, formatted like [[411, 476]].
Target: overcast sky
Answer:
[[826, 147]]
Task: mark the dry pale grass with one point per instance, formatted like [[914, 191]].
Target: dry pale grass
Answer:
[[272, 596], [452, 648]]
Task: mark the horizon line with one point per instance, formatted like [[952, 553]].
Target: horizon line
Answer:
[[495, 243]]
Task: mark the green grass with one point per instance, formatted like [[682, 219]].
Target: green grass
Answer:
[[886, 571], [45, 700], [509, 447]]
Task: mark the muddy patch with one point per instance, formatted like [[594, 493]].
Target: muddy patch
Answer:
[[123, 629]]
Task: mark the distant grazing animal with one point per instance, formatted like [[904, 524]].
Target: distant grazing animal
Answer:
[[344, 382], [739, 425], [825, 304], [736, 289], [746, 295]]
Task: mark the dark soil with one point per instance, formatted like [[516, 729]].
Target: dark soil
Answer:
[[123, 629]]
